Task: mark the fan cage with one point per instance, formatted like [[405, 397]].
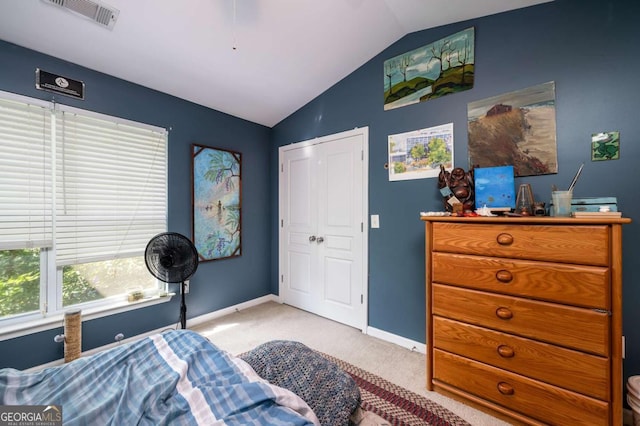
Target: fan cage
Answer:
[[171, 257]]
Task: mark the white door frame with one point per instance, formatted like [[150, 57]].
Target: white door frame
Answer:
[[364, 131]]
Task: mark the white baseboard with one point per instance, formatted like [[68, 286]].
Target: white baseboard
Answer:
[[412, 345], [190, 323], [231, 309], [371, 331]]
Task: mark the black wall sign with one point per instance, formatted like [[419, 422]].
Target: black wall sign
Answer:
[[59, 84]]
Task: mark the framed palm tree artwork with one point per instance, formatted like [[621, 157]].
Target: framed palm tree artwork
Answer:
[[216, 202]]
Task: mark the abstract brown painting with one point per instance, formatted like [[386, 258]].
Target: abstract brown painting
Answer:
[[517, 128]]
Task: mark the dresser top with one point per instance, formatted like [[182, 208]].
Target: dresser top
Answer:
[[542, 220]]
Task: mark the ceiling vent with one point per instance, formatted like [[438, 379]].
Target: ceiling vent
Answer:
[[94, 10]]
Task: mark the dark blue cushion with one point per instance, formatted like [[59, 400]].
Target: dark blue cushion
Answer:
[[330, 392]]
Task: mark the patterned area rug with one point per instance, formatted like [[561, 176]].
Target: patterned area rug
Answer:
[[398, 406]]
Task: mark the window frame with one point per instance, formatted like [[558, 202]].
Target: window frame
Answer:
[[51, 312]]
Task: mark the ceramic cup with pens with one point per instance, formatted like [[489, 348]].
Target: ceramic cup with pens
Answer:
[[561, 203], [562, 199]]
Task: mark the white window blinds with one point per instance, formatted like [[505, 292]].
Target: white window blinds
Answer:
[[25, 175], [110, 187]]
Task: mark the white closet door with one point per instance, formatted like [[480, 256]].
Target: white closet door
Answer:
[[323, 232], [300, 201]]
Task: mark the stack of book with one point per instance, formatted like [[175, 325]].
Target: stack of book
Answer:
[[590, 207], [592, 215]]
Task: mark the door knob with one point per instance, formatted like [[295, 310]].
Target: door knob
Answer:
[[506, 351], [320, 240], [312, 238], [504, 313], [505, 388]]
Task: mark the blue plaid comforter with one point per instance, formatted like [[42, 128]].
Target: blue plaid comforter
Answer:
[[177, 377]]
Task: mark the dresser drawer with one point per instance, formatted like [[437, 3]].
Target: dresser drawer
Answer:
[[571, 327], [558, 282], [537, 360], [541, 401], [555, 243]]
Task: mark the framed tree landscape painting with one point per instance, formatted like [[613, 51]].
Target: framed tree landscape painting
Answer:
[[216, 202], [442, 68]]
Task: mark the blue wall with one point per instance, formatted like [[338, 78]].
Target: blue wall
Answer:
[[588, 47], [216, 284]]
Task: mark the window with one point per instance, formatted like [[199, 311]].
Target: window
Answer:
[[81, 194]]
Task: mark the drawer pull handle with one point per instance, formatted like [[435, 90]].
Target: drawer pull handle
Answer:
[[505, 239], [504, 313], [505, 388], [504, 276], [505, 351]]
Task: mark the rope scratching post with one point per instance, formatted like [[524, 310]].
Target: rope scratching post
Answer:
[[72, 335]]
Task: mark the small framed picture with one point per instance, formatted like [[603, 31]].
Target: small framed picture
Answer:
[[605, 146]]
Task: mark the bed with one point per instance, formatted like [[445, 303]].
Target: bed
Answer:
[[176, 377]]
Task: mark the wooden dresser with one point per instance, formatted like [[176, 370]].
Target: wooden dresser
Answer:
[[524, 316]]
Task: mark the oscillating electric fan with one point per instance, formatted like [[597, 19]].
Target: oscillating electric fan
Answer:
[[172, 258]]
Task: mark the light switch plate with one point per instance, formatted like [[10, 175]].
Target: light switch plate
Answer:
[[375, 221]]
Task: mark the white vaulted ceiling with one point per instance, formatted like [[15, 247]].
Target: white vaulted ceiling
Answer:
[[286, 53]]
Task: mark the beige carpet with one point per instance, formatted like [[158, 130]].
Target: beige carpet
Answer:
[[244, 330]]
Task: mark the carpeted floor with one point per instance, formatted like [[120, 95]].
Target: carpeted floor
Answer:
[[244, 330]]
